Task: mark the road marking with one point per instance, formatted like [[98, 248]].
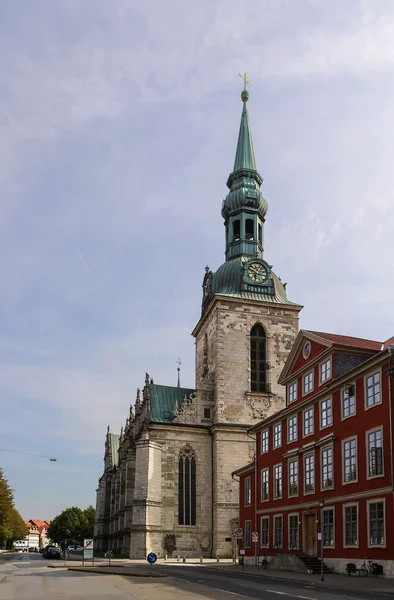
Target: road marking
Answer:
[[292, 595]]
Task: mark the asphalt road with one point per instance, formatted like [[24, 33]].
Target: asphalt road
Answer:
[[26, 577], [253, 586]]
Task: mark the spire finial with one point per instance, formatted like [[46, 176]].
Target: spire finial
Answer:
[[178, 362], [245, 93]]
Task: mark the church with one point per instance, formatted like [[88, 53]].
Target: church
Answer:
[[167, 484]]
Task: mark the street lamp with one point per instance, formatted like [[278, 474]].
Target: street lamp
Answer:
[[321, 504]]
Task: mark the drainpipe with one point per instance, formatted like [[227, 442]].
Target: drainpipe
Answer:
[[255, 490], [390, 372], [212, 494]]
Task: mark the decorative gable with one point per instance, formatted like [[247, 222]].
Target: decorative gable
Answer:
[[308, 351]]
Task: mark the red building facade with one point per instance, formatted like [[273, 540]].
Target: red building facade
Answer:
[[324, 464]]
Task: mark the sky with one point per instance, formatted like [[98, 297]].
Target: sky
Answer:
[[119, 123]]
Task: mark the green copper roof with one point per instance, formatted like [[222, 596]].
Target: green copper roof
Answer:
[[244, 158], [163, 399], [227, 281], [114, 441]]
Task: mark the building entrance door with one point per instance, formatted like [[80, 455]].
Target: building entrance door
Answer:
[[310, 542]]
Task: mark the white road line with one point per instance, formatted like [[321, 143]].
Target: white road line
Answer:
[[292, 595]]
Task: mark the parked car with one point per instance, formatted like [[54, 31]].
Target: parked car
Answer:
[[51, 552], [75, 548]]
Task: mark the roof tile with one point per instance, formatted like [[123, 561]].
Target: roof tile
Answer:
[[347, 340]]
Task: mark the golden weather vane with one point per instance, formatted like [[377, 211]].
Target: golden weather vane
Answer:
[[246, 79]]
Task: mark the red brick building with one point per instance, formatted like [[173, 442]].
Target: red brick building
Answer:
[[324, 468]]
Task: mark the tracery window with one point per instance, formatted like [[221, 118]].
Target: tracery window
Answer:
[[187, 487], [258, 359]]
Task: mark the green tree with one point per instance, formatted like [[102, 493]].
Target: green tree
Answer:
[[12, 526], [72, 524]]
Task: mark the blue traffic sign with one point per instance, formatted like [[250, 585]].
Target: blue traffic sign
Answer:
[[151, 558]]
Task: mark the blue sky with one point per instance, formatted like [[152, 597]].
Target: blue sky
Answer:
[[118, 125]]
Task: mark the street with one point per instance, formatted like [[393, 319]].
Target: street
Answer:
[[27, 577]]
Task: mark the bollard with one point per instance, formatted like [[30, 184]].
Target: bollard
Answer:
[[201, 559], [184, 559], [217, 560], [165, 557]]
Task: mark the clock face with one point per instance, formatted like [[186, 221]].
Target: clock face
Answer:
[[257, 273], [307, 349]]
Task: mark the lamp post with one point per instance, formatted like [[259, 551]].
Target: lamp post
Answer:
[[321, 504]]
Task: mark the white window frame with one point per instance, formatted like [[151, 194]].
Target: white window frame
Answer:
[[311, 383], [322, 450], [265, 437], [265, 517], [324, 510], [323, 377], [374, 430], [330, 410], [349, 439], [375, 501], [277, 428], [279, 515], [248, 496], [344, 507], [289, 484], [292, 392], [275, 497], [366, 377], [292, 427], [250, 534], [343, 389], [313, 471], [265, 470], [307, 410], [293, 514]]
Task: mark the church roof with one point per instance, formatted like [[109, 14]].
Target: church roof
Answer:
[[163, 399]]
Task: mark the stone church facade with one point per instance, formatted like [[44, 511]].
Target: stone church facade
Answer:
[[167, 484]]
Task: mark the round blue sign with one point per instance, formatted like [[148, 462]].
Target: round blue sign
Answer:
[[151, 558]]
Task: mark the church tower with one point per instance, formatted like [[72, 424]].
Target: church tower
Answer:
[[243, 337]]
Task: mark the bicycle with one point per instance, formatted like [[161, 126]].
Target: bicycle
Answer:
[[371, 568]]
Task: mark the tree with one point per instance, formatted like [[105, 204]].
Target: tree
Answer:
[[12, 526], [72, 524]]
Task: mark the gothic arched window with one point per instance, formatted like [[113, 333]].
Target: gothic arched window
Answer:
[[187, 487], [258, 359]]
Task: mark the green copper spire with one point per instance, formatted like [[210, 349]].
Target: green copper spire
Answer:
[[244, 158], [244, 207]]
